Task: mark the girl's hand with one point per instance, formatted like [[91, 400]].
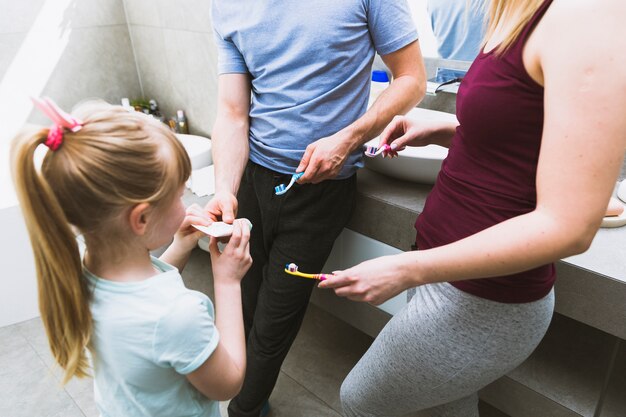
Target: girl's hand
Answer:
[[230, 265], [187, 236], [374, 281]]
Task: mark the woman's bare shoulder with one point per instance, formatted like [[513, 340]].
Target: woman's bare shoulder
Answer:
[[591, 30]]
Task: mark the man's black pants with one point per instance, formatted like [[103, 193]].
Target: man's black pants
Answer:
[[300, 227]]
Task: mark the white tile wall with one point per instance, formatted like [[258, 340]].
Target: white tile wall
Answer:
[[176, 57], [69, 50]]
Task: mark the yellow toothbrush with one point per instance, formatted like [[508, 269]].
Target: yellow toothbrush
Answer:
[[292, 269]]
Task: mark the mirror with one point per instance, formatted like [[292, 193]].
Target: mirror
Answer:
[[449, 29]]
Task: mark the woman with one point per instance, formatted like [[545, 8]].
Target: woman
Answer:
[[531, 166]]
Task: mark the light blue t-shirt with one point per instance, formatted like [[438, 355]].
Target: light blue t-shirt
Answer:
[[147, 336], [458, 26], [310, 65]]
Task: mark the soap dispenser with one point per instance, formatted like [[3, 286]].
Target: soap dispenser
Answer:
[[181, 121], [380, 81]]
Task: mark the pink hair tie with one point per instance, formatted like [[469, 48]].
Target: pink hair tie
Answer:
[[61, 120], [55, 138]]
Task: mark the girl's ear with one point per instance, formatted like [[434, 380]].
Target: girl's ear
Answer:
[[138, 218]]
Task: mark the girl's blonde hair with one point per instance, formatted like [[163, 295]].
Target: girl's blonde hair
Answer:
[[514, 14], [118, 159]]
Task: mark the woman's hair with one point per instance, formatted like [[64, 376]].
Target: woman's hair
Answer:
[[516, 13], [116, 160]]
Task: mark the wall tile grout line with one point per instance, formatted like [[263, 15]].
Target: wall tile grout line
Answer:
[[133, 49]]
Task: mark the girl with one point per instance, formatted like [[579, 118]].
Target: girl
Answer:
[[530, 169], [118, 178]]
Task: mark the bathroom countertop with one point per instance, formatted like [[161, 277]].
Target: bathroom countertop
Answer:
[[590, 288]]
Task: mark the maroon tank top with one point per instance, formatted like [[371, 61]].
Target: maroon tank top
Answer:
[[490, 172]]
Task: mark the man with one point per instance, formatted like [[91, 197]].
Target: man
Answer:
[[458, 27], [293, 90]]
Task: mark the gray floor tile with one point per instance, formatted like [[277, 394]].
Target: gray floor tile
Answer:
[[487, 410], [34, 332], [10, 339], [198, 275], [290, 399], [81, 391], [16, 355], [27, 386], [323, 354]]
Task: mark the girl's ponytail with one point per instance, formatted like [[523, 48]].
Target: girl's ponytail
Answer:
[[63, 294]]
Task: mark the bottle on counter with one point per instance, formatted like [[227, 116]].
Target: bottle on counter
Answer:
[[181, 121], [126, 104], [153, 106], [380, 81], [154, 110], [173, 125]]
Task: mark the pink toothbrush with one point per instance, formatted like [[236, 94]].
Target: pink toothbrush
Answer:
[[373, 151]]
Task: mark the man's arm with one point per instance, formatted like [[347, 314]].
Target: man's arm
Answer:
[[407, 89], [324, 158], [229, 144]]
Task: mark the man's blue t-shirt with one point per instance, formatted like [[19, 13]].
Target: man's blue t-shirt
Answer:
[[310, 65], [458, 26]]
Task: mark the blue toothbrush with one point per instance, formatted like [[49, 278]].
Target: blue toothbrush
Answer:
[[282, 188]]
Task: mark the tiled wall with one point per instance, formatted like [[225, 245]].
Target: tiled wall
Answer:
[[93, 54], [81, 49], [176, 57]]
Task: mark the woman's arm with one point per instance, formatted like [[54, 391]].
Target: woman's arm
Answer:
[[584, 139]]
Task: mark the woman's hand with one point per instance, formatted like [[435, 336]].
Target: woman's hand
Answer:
[[230, 265], [374, 281], [403, 131]]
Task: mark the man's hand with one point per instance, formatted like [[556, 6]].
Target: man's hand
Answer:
[[222, 207], [324, 158]]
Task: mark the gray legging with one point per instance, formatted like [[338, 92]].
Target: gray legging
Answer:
[[437, 352]]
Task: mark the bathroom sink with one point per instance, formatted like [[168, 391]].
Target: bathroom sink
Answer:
[[415, 164], [198, 148]]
